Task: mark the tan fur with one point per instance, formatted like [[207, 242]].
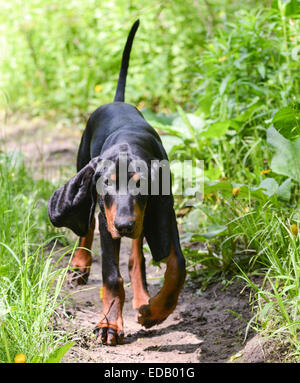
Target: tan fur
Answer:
[[140, 295], [110, 218]]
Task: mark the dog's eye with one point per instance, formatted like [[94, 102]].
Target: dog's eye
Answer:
[[138, 183], [106, 182]]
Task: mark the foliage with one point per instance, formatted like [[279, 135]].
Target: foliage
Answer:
[[226, 81], [245, 126], [277, 299], [64, 56], [31, 277]]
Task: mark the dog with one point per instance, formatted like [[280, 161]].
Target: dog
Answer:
[[112, 129]]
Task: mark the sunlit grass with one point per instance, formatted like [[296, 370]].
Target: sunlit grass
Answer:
[[31, 275], [276, 300], [231, 69]]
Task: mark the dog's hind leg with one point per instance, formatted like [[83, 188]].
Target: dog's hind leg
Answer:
[[82, 260], [137, 273]]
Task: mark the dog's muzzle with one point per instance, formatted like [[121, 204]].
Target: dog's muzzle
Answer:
[[125, 227]]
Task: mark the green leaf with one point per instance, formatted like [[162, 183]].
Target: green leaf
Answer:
[[192, 220], [261, 70], [292, 8], [188, 123], [161, 118], [269, 186], [223, 85], [169, 142], [287, 122], [295, 52], [246, 116], [212, 173], [224, 187], [216, 130], [284, 190], [57, 355], [259, 193], [212, 231], [286, 159]]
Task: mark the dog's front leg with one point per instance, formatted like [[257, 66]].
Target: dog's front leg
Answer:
[[164, 303], [110, 326], [137, 273]]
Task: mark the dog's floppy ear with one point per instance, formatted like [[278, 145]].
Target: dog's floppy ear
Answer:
[[73, 205], [159, 220], [159, 223]]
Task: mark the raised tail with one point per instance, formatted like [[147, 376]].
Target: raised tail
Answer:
[[125, 62]]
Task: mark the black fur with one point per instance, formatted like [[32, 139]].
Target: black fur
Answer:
[[108, 129], [125, 62]]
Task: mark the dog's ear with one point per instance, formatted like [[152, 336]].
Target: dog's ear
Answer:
[[73, 205], [159, 220], [160, 225]]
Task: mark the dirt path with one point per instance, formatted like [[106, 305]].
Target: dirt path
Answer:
[[206, 326], [202, 328]]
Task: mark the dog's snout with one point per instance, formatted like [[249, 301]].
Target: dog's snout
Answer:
[[125, 226]]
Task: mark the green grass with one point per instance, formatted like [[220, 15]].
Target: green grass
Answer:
[[276, 301], [31, 276], [226, 75], [55, 53], [243, 120]]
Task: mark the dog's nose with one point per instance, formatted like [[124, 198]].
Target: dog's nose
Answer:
[[124, 226]]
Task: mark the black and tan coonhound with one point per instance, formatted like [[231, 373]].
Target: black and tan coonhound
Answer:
[[113, 129]]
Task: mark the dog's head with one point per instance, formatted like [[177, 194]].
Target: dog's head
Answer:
[[123, 187], [119, 179]]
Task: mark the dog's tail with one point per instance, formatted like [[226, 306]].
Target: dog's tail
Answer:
[[125, 61]]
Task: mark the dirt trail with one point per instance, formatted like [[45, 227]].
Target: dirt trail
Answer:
[[203, 328]]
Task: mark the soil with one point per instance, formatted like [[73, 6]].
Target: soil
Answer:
[[207, 326]]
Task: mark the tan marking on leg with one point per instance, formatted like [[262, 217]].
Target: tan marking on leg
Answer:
[[113, 302], [140, 294], [82, 258]]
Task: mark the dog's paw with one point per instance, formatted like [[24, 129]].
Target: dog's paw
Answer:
[[148, 317], [109, 335], [77, 277]]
